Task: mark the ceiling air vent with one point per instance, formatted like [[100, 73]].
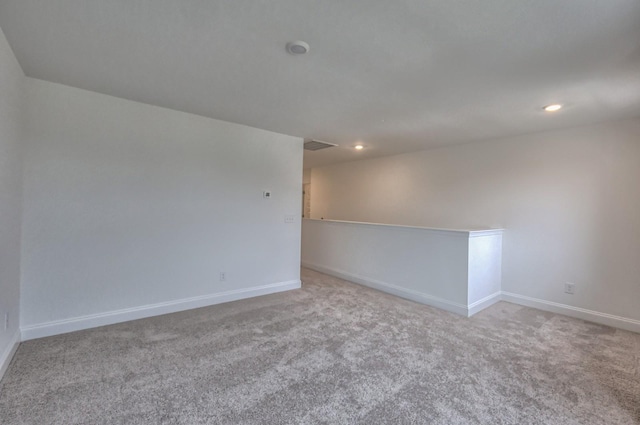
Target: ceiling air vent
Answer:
[[316, 145]]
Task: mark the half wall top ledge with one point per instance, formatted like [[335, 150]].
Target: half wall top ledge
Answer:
[[458, 270], [470, 232]]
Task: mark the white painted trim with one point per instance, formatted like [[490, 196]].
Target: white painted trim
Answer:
[[391, 289], [41, 330], [483, 233], [8, 353], [463, 232], [577, 312], [483, 303]]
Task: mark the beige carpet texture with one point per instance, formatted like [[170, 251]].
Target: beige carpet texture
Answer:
[[332, 352]]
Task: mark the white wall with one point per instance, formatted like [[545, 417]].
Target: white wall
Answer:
[[306, 176], [128, 205], [569, 201], [11, 108]]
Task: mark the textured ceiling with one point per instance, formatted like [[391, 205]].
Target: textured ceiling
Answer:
[[398, 76]]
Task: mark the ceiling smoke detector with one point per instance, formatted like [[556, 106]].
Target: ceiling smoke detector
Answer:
[[316, 145], [297, 47]]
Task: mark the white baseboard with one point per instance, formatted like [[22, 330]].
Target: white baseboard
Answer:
[[483, 303], [391, 289], [7, 355], [107, 318], [468, 311], [41, 330], [577, 312]]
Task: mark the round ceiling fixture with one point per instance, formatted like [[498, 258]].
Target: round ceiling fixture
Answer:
[[297, 47], [553, 107], [359, 147]]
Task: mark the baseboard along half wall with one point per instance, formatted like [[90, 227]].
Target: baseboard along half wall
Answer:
[[391, 289], [117, 316], [468, 311], [483, 303], [7, 355]]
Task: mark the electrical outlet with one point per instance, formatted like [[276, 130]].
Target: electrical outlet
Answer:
[[289, 218], [570, 288], [266, 194], [223, 276]]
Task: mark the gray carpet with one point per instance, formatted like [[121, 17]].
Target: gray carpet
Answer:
[[332, 352]]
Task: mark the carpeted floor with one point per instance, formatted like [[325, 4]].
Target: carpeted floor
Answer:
[[330, 353]]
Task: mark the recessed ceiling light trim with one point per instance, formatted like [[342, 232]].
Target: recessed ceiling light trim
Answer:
[[554, 107], [297, 47]]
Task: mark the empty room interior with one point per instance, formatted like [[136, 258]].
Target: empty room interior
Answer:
[[319, 212]]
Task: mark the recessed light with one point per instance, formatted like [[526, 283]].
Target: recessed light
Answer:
[[359, 147], [297, 47], [553, 108]]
